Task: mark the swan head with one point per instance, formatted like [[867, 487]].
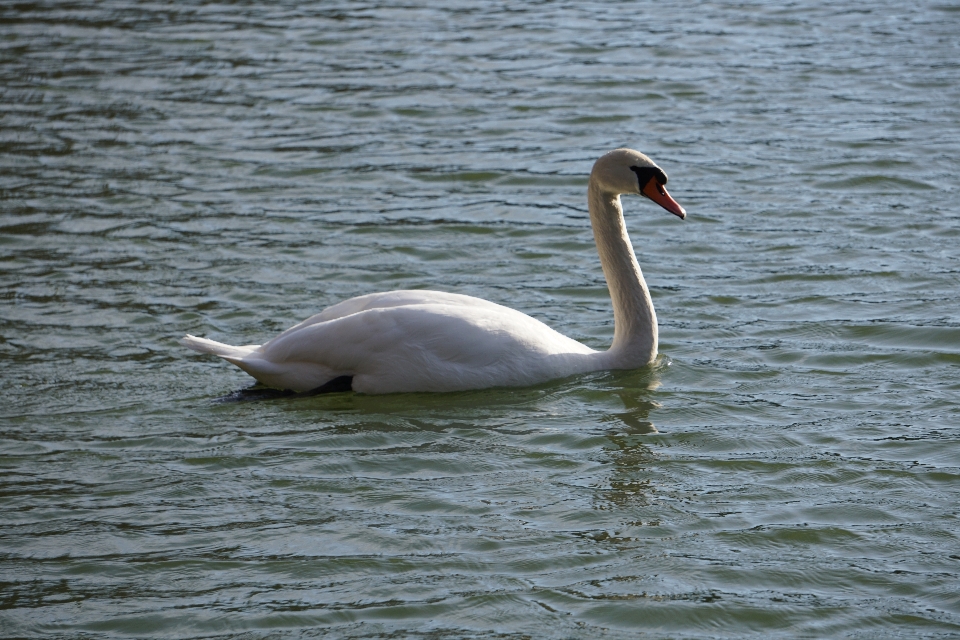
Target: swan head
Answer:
[[628, 171]]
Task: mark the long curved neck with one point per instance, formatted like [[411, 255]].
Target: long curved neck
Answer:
[[635, 322]]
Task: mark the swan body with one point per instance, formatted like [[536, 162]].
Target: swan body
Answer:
[[402, 341]]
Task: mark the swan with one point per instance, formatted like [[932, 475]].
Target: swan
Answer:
[[405, 341]]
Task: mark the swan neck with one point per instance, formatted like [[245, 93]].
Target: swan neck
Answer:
[[635, 322]]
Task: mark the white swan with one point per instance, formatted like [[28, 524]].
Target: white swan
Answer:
[[434, 341]]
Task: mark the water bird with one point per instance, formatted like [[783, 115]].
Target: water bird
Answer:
[[413, 340]]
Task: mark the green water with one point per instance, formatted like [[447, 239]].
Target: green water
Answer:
[[790, 467]]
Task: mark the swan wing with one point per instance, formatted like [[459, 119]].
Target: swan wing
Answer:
[[401, 298], [411, 346]]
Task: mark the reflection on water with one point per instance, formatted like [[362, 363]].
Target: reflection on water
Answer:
[[790, 467], [638, 401]]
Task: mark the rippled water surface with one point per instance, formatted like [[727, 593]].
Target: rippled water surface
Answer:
[[789, 468]]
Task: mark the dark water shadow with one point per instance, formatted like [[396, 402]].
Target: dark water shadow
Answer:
[[255, 393], [259, 393], [634, 389]]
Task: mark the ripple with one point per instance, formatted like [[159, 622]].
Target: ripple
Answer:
[[789, 463]]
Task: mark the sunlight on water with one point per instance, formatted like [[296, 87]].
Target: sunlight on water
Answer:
[[788, 468]]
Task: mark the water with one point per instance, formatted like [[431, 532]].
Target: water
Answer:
[[789, 468]]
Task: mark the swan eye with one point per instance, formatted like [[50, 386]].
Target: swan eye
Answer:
[[645, 173]]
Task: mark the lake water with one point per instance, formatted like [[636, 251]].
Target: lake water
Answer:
[[789, 468]]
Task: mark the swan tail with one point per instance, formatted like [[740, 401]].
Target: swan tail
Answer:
[[212, 347], [296, 376]]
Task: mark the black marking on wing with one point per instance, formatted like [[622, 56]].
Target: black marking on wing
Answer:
[[337, 385]]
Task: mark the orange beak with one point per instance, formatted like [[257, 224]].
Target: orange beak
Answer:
[[655, 191]]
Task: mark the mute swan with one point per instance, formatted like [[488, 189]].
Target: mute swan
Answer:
[[434, 341]]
